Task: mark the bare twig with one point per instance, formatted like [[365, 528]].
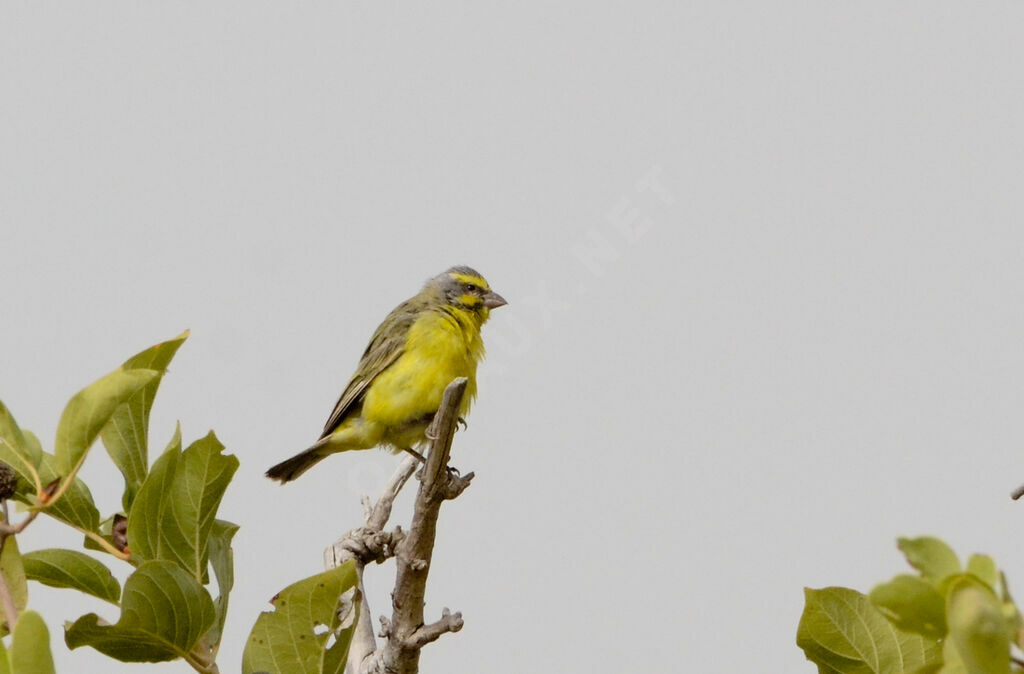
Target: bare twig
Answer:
[[404, 633], [400, 654], [362, 544], [382, 510], [449, 622], [363, 643], [366, 544], [9, 529]]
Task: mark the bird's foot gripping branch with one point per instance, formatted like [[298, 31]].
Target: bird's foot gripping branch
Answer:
[[166, 528], [404, 634]]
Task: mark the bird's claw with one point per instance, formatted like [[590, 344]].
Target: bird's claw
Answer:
[[431, 431]]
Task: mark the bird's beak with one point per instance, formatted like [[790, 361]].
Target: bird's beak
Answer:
[[493, 300]]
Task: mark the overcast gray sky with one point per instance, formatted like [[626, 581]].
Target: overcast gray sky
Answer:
[[763, 264]]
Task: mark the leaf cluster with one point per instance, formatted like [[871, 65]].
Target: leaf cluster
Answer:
[[947, 618], [174, 603], [167, 529]]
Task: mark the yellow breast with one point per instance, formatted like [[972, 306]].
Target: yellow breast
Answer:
[[440, 346]]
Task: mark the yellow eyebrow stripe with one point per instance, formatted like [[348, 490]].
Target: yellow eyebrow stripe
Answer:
[[468, 278]]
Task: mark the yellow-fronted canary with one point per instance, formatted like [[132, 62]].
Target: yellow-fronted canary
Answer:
[[425, 343]]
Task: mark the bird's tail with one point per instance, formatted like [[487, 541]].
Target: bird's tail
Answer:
[[289, 469]]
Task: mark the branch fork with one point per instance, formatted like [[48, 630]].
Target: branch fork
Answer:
[[405, 633], [368, 545]]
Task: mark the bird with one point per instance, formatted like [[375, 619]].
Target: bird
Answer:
[[420, 347]]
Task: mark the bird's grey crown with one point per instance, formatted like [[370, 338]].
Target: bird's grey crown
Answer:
[[463, 269], [449, 286]]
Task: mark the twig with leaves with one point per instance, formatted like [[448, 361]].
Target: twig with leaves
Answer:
[[405, 633], [168, 514]]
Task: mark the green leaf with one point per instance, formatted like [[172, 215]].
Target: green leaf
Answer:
[[287, 639], [912, 604], [952, 663], [222, 561], [933, 668], [88, 411], [178, 514], [826, 660], [57, 567], [1013, 616], [840, 629], [149, 508], [16, 451], [76, 506], [30, 649], [984, 569], [13, 569], [977, 629], [126, 434], [164, 613], [825, 669], [202, 475], [33, 446], [933, 558], [11, 433]]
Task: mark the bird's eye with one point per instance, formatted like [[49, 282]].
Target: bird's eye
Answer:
[[471, 288]]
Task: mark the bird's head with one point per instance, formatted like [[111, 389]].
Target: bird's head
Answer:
[[464, 288]]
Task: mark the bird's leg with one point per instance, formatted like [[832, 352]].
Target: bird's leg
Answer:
[[419, 456], [431, 434], [431, 430], [453, 473]]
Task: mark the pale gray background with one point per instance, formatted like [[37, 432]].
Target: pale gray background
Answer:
[[809, 342]]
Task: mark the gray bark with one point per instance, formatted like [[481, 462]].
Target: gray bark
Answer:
[[405, 633]]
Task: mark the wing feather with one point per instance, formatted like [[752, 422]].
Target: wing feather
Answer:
[[385, 347]]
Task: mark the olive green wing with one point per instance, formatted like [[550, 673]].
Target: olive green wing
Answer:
[[385, 347]]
